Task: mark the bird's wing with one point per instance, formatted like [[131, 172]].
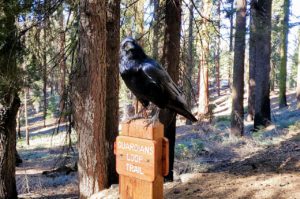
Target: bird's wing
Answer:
[[160, 76]]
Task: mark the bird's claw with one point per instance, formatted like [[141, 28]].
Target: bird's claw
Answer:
[[153, 119], [150, 121], [133, 118]]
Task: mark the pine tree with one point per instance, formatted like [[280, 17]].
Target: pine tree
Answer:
[[89, 99], [237, 115], [261, 35], [284, 43], [9, 100]]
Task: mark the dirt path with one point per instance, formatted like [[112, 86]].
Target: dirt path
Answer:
[[273, 173], [46, 152]]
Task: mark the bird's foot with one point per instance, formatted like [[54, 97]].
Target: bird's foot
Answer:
[[133, 118], [153, 119]]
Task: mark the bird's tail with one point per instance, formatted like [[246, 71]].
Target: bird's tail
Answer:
[[184, 112], [187, 114]]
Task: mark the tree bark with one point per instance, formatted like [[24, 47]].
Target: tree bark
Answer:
[[19, 124], [139, 32], [89, 99], [237, 114], [218, 48], [283, 61], [62, 65], [262, 35], [112, 84], [170, 60], [252, 62], [8, 148], [156, 29], [190, 61], [203, 101], [26, 116], [230, 42], [9, 101], [45, 79]]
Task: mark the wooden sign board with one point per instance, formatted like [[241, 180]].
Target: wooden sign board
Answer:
[[135, 157]]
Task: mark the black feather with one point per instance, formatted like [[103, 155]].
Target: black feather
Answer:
[[150, 82]]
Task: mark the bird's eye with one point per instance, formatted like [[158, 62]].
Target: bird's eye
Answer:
[[128, 46]]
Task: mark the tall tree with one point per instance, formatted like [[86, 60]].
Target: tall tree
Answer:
[[203, 101], [237, 114], [112, 83], [45, 77], [252, 61], [26, 91], [217, 59], [170, 60], [62, 62], [139, 32], [156, 29], [284, 44], [9, 101], [89, 99], [261, 34], [231, 15], [190, 60]]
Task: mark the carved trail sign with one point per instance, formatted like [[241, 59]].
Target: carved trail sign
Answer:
[[136, 157]]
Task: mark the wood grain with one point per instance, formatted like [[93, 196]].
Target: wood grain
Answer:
[[135, 188]]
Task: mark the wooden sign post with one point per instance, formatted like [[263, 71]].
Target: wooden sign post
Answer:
[[142, 157]]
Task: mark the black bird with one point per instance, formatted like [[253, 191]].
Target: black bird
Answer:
[[150, 82]]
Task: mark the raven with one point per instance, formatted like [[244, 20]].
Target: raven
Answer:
[[148, 81]]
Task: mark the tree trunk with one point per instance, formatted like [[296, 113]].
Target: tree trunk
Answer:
[[112, 84], [230, 42], [203, 100], [218, 48], [283, 61], [237, 114], [190, 61], [252, 62], [89, 99], [26, 116], [139, 21], [171, 54], [262, 35], [156, 29], [19, 124], [9, 101], [45, 79], [62, 65], [272, 76], [8, 148]]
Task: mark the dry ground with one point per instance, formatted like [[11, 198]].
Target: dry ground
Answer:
[[210, 163]]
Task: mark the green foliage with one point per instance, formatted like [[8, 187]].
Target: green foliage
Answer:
[[189, 148], [223, 118], [181, 151], [53, 106], [197, 146]]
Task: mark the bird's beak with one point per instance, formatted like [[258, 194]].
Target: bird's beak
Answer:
[[129, 46]]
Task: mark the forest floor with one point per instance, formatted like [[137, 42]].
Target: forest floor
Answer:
[[210, 163]]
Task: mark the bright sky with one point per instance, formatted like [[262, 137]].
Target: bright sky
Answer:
[[294, 17]]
